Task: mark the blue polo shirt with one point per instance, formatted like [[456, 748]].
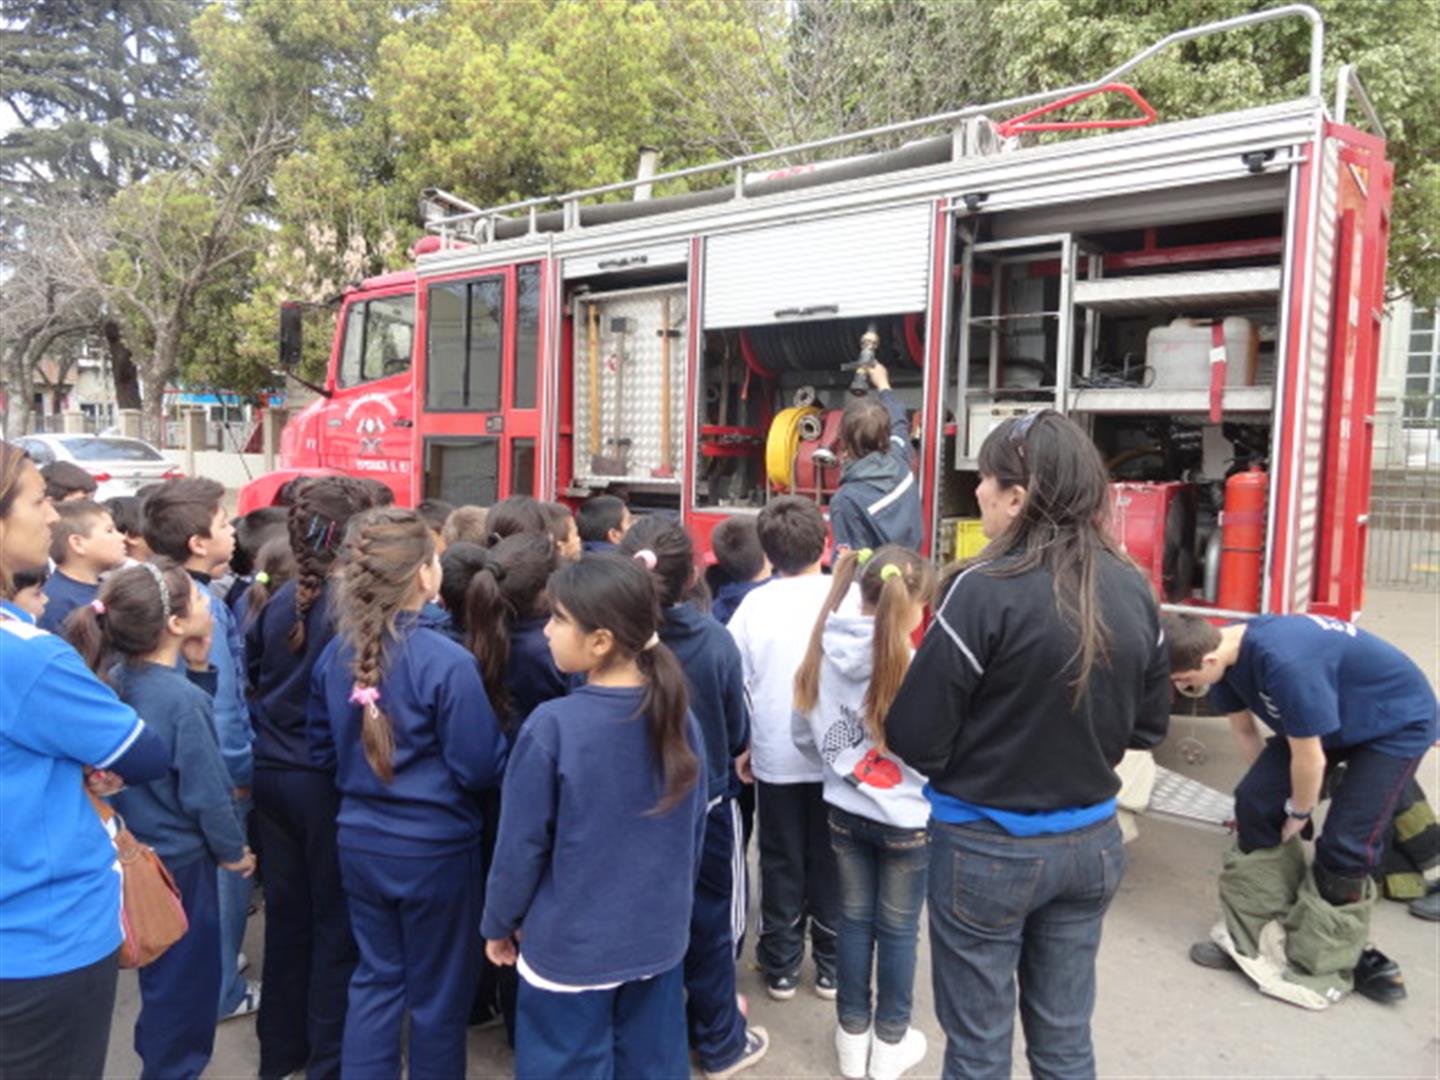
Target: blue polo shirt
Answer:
[[59, 880], [1310, 675]]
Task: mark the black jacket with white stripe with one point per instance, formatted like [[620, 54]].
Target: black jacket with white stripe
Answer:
[[986, 714], [878, 502]]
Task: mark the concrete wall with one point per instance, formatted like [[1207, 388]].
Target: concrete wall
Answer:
[[226, 466]]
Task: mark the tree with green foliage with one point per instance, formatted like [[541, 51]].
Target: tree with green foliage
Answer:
[[101, 93]]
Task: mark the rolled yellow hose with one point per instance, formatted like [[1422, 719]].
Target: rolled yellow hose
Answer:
[[783, 442]]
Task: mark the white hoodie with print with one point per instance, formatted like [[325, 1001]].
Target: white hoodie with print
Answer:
[[858, 778]]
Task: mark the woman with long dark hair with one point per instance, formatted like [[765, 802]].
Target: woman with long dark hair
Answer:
[[1044, 663]]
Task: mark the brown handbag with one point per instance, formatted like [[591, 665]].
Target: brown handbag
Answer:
[[151, 914]]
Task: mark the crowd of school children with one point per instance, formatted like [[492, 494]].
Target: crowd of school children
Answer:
[[504, 764]]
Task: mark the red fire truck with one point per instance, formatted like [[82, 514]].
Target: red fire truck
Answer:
[[1204, 296]]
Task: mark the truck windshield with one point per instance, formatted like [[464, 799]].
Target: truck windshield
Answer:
[[378, 336]]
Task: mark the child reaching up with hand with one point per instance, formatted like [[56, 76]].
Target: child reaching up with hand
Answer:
[[600, 835], [144, 620], [878, 814]]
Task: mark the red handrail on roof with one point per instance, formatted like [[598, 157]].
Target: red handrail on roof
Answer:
[[1015, 126]]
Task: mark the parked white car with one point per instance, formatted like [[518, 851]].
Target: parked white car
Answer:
[[119, 465]]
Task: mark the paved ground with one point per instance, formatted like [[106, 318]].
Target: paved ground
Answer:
[[1157, 1015]]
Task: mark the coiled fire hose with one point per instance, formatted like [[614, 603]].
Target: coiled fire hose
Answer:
[[782, 444]]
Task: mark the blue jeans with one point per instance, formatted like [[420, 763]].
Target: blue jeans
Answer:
[[234, 892], [1003, 905], [883, 870]]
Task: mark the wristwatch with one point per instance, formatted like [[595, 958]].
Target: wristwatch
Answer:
[[1298, 815]]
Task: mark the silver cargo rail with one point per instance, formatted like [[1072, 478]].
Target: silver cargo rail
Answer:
[[480, 223]]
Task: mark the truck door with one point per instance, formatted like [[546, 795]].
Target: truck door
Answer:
[[366, 422], [479, 423]]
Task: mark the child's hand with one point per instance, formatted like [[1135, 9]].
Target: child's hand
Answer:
[[245, 866], [742, 768], [103, 783], [879, 376], [502, 952], [196, 650]]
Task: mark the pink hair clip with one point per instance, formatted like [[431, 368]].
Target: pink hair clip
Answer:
[[364, 695], [646, 556], [98, 606]]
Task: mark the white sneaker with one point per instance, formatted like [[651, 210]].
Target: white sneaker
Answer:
[[889, 1061], [853, 1051]]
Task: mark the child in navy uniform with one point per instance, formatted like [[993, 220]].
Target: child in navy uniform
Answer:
[[740, 561], [879, 501], [84, 544], [600, 839], [146, 617], [399, 712], [186, 521], [506, 610], [497, 600], [711, 663], [601, 522], [309, 951]]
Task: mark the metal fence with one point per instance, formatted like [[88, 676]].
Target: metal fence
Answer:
[[1404, 543]]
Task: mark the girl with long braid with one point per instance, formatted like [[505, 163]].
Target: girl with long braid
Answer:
[[401, 716], [309, 950]]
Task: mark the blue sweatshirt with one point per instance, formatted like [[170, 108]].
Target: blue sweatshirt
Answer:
[[602, 885], [1308, 675], [711, 662], [448, 745], [596, 547], [531, 676], [879, 501], [232, 711], [280, 680], [189, 812], [729, 595], [65, 595]]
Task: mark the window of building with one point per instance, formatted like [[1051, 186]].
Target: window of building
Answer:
[[1422, 371]]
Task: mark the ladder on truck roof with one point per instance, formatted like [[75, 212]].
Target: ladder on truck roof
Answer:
[[478, 224]]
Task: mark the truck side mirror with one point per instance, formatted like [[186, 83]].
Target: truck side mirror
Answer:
[[291, 335]]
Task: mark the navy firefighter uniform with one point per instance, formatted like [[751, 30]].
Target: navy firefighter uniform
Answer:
[[309, 950], [603, 887], [410, 856]]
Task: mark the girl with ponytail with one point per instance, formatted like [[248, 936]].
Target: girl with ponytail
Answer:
[[711, 663], [600, 840], [145, 619], [309, 950], [400, 715], [501, 610], [878, 813]]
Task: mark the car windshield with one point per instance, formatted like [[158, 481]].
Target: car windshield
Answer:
[[94, 448]]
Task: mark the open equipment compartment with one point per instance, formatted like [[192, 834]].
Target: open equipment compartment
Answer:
[[1154, 323]]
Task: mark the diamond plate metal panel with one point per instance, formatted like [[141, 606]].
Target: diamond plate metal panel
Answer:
[[1312, 389], [631, 385]]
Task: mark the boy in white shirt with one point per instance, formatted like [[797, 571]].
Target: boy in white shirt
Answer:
[[798, 877]]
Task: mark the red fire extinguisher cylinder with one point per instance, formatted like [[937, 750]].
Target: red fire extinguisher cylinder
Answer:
[[1242, 540]]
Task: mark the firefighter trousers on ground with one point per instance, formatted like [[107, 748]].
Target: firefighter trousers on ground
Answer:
[[1292, 942]]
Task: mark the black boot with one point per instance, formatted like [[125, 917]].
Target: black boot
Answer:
[[1427, 907], [1378, 978]]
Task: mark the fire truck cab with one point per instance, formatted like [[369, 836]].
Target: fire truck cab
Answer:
[[1204, 296]]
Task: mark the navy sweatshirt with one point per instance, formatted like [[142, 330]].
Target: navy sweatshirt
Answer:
[[711, 661], [602, 885], [280, 680], [729, 595], [189, 812], [448, 745], [879, 501], [63, 595], [531, 676]]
